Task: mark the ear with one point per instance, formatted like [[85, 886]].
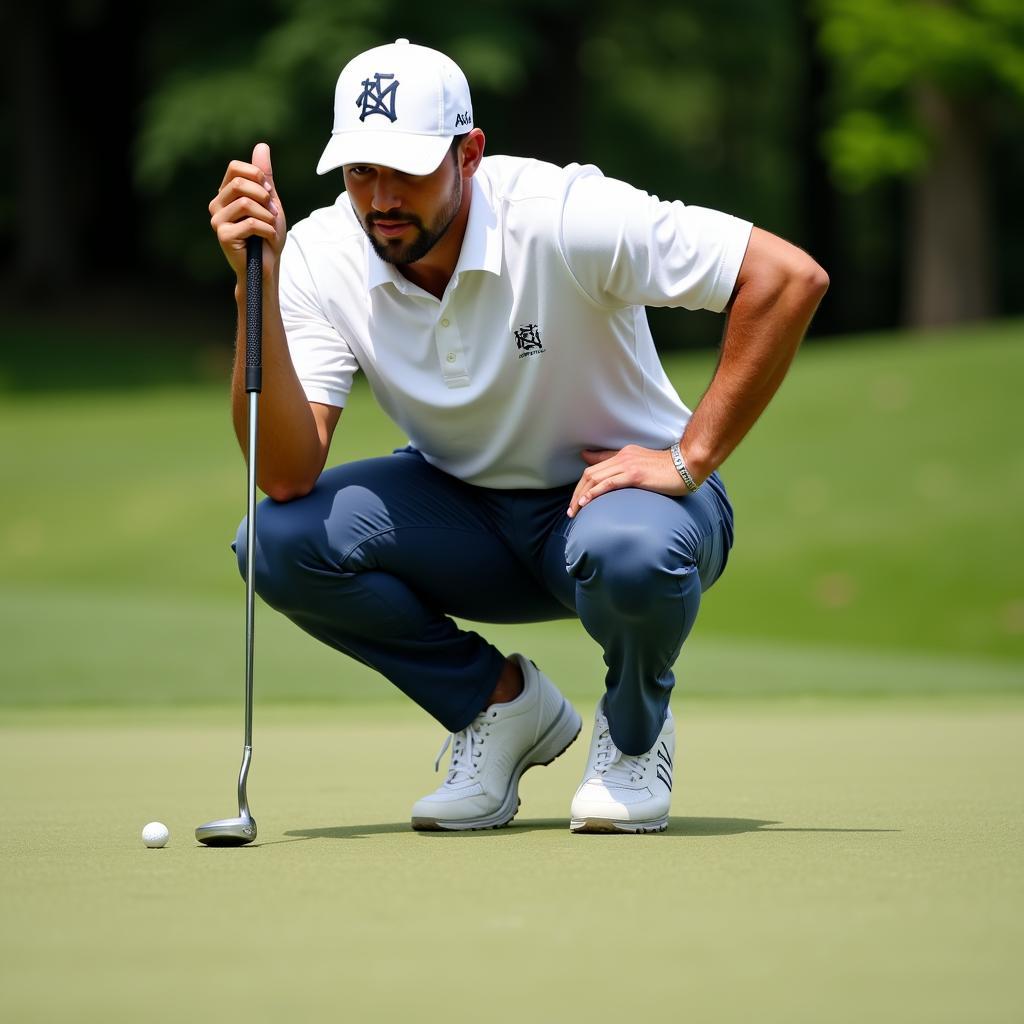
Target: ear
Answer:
[[471, 152]]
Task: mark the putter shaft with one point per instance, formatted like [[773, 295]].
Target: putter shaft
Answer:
[[242, 830]]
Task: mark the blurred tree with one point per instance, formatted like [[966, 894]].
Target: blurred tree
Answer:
[[677, 102], [123, 117], [921, 86], [212, 95], [276, 83], [41, 210], [703, 102], [72, 79]]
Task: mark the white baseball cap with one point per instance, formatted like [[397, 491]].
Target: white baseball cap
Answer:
[[397, 106]]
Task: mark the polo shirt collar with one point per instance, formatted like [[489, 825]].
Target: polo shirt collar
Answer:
[[481, 246]]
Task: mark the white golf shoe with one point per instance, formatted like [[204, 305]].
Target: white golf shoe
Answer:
[[490, 755], [620, 793]]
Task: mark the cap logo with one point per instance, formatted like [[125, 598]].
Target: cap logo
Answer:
[[375, 99]]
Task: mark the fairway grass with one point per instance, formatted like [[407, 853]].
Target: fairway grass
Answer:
[[827, 861], [846, 845], [878, 501], [122, 649]]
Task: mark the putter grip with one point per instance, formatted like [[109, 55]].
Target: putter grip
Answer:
[[253, 314]]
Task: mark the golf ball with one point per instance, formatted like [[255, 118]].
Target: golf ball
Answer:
[[155, 835]]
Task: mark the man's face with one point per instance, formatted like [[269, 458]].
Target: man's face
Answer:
[[404, 215]]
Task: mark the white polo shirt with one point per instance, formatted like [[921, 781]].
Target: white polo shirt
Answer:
[[539, 347]]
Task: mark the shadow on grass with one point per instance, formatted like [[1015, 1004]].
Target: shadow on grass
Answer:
[[680, 828], [734, 826], [348, 831]]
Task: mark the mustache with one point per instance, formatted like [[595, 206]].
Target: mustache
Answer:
[[409, 218]]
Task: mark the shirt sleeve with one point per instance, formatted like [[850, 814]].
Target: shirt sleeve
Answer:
[[323, 360], [628, 248]]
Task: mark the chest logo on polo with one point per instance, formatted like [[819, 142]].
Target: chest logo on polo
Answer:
[[378, 99], [528, 341]]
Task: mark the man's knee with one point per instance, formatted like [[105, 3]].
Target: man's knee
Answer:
[[283, 549], [626, 561]]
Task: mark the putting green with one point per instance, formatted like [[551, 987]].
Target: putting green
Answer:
[[827, 861]]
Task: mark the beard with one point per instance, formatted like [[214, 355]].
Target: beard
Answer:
[[426, 237]]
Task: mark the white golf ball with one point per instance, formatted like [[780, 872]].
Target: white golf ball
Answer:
[[155, 835]]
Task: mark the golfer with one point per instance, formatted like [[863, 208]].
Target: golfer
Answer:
[[496, 306]]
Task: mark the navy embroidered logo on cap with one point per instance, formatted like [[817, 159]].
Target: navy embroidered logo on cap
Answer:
[[376, 99]]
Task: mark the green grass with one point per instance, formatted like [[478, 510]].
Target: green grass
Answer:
[[849, 852], [878, 504], [880, 500], [85, 647], [835, 861]]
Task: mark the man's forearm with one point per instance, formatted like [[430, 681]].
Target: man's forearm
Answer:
[[290, 451], [767, 321]]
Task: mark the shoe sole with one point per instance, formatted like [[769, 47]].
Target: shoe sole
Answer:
[[609, 826], [555, 742]]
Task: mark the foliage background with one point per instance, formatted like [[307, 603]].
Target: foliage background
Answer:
[[884, 136]]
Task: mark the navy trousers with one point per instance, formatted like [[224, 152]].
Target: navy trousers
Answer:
[[376, 559]]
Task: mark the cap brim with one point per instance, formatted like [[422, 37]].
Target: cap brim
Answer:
[[411, 154]]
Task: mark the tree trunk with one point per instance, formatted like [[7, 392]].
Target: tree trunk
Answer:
[[553, 95], [949, 274], [73, 77], [819, 205], [43, 170]]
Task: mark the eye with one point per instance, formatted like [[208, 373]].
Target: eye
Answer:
[[358, 170]]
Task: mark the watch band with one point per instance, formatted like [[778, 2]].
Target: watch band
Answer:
[[677, 458]]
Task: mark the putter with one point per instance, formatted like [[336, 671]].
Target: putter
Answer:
[[242, 830]]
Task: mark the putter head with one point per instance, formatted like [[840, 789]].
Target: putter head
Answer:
[[238, 831]]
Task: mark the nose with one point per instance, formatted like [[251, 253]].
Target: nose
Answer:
[[385, 196]]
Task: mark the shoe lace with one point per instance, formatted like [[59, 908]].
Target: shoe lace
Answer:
[[612, 764], [467, 749]]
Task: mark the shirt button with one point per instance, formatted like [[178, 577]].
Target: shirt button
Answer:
[[451, 357], [446, 322]]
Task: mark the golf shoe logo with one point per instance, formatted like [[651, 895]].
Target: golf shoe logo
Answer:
[[664, 771], [528, 341], [376, 99]]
